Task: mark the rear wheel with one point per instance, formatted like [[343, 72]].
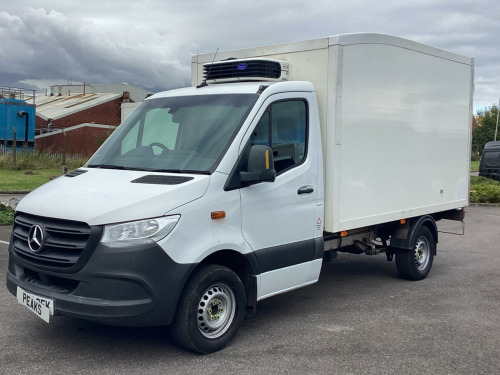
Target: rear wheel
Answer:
[[415, 264], [210, 310]]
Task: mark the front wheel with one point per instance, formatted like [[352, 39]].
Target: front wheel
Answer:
[[415, 264], [210, 310]]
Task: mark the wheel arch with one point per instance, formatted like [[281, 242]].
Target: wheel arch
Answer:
[[413, 225], [245, 266]]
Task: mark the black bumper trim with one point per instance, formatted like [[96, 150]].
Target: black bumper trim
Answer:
[[134, 286]]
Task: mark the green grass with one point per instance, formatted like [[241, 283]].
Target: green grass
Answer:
[[20, 181], [474, 166], [6, 215], [36, 160], [32, 169], [484, 190]]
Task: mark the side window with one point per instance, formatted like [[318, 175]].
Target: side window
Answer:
[[284, 127], [260, 135]]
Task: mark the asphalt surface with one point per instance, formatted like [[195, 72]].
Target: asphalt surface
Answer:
[[360, 318]]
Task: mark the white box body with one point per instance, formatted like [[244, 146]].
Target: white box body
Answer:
[[395, 118]]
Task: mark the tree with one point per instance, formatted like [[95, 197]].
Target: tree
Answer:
[[484, 131]]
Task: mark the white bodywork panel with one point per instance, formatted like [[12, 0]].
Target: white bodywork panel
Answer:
[[403, 139], [395, 118], [105, 196], [278, 281]]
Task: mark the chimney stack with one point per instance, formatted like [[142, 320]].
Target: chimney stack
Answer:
[[126, 97]]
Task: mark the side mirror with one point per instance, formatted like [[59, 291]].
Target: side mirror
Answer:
[[260, 166]]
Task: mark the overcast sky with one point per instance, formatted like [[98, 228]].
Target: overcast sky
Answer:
[[149, 43]]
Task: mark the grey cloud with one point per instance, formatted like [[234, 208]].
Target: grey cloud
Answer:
[[48, 45], [149, 43]]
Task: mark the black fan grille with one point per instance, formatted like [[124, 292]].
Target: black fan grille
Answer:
[[242, 69]]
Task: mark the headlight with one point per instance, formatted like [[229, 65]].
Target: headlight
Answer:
[[139, 232]]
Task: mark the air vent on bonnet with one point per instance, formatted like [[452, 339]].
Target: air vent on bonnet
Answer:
[[76, 172], [245, 70], [161, 180]]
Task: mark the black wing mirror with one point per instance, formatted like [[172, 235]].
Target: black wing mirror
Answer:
[[260, 166]]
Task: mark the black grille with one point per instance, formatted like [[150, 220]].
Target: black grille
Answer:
[[76, 172], [66, 244], [242, 69], [161, 180], [54, 283]]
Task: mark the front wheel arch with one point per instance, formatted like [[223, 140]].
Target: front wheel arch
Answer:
[[210, 310]]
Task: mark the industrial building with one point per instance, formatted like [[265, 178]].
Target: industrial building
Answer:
[[80, 117]]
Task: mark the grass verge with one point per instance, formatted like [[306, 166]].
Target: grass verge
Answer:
[[36, 160], [26, 180], [474, 166]]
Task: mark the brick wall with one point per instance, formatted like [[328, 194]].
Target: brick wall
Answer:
[[82, 141], [107, 114]]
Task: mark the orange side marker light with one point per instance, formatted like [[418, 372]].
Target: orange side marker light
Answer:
[[218, 215]]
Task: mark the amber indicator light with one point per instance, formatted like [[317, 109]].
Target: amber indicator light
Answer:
[[218, 215]]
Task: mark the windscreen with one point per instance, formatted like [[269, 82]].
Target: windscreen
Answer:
[[176, 134]]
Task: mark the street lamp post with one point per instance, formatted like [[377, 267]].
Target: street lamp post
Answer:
[[498, 112]]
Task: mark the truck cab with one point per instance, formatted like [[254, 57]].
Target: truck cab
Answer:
[[227, 174]]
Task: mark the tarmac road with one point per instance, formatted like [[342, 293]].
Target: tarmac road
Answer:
[[360, 318]]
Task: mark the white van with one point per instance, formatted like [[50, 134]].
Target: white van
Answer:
[[211, 198]]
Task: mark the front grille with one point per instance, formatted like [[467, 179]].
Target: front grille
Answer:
[[66, 244]]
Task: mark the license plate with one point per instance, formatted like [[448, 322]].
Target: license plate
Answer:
[[43, 307]]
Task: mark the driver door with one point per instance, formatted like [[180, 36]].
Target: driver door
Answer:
[[279, 218]]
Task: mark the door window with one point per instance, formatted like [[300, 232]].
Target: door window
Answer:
[[283, 127]]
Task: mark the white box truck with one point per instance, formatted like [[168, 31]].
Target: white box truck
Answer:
[[211, 198]]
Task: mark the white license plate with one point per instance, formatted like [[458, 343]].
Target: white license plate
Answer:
[[41, 306]]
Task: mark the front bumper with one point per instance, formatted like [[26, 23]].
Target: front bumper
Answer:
[[134, 286]]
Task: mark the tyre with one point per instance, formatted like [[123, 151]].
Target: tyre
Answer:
[[415, 264], [210, 310]]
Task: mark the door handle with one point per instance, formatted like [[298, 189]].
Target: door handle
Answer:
[[305, 190]]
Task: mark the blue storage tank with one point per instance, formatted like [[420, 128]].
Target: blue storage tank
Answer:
[[20, 115]]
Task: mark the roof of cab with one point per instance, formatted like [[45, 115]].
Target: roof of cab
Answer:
[[238, 88]]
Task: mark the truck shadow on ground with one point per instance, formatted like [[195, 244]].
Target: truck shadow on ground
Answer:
[[338, 280]]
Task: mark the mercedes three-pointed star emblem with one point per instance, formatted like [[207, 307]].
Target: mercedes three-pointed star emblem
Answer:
[[35, 238]]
